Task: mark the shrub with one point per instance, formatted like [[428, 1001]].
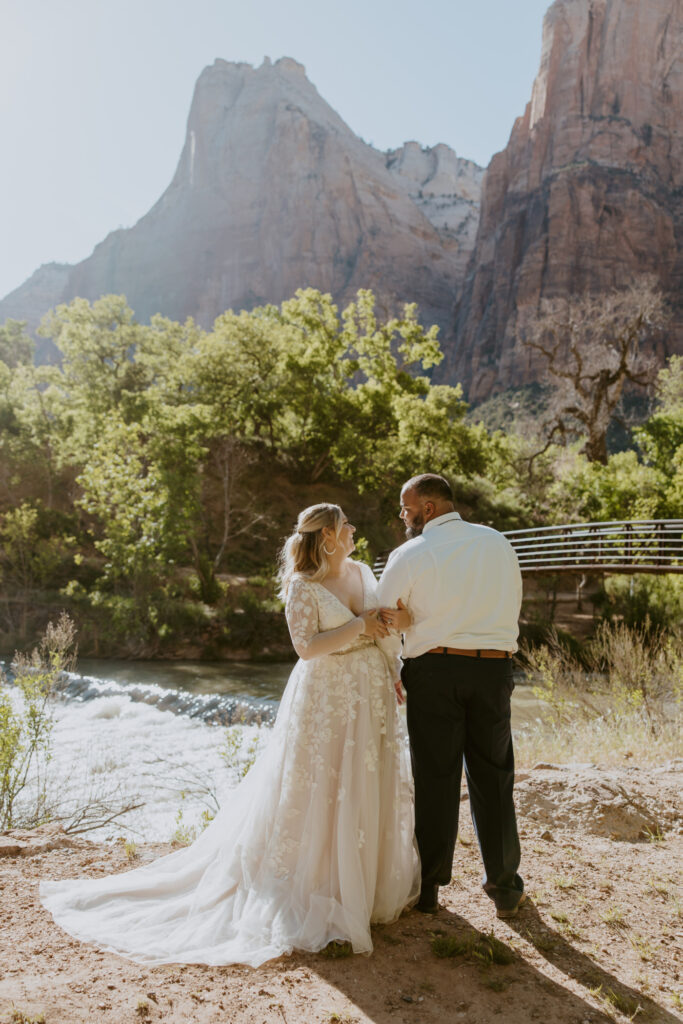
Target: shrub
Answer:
[[26, 724], [635, 599], [626, 699]]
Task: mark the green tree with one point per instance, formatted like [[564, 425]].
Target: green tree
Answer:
[[623, 489], [661, 436], [16, 347], [32, 433], [143, 521]]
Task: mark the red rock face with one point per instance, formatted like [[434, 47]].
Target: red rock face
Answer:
[[273, 192], [588, 192]]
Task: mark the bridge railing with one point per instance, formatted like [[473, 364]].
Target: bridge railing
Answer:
[[618, 546], [629, 546]]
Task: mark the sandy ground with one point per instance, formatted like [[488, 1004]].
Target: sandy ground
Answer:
[[599, 939]]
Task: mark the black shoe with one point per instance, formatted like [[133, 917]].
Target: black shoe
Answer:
[[428, 902], [507, 912]]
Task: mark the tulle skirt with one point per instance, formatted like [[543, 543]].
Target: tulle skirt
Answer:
[[314, 845]]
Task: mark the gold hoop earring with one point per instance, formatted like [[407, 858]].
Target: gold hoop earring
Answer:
[[329, 552]]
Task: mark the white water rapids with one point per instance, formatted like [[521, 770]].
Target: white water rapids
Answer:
[[116, 741]]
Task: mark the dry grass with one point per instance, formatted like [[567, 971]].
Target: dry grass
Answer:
[[624, 702]]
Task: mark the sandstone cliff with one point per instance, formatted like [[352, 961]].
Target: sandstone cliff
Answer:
[[447, 189], [273, 192], [588, 191]]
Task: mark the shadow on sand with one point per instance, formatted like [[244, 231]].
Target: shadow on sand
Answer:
[[406, 981]]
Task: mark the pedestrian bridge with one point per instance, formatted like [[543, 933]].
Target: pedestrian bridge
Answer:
[[621, 546]]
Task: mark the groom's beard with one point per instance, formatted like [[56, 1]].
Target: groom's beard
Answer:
[[416, 529]]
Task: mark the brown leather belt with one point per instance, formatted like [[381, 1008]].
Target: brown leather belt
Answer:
[[470, 653]]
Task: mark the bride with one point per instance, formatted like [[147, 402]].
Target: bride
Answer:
[[316, 843]]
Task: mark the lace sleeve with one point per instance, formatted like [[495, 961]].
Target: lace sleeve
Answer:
[[301, 611]]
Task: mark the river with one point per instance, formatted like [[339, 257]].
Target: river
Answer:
[[170, 737]]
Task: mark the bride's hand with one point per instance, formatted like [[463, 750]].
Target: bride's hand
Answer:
[[398, 619], [372, 624]]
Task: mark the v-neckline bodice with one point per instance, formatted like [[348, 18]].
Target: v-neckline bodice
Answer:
[[340, 602]]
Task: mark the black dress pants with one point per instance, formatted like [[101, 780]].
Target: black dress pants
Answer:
[[459, 708]]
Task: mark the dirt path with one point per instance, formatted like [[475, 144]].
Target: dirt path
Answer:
[[600, 938]]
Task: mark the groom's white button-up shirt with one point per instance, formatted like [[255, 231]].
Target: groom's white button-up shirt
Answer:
[[461, 583]]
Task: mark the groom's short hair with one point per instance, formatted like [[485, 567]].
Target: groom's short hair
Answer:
[[430, 485]]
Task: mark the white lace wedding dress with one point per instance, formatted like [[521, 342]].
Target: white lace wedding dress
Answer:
[[313, 845]]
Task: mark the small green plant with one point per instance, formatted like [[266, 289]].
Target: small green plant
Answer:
[[560, 916], [644, 982], [337, 950], [238, 757], [20, 1017], [643, 947], [486, 949], [143, 1008], [184, 834], [446, 946], [251, 752], [570, 931], [658, 885], [623, 1003], [565, 882], [26, 724], [131, 849], [614, 917], [653, 834]]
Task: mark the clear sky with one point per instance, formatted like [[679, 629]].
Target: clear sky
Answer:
[[94, 94]]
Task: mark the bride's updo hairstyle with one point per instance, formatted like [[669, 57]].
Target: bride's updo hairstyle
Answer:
[[304, 552]]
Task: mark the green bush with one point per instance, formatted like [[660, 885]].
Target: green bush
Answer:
[[636, 600], [253, 621], [26, 724]]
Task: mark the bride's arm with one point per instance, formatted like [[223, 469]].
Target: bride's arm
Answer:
[[301, 611]]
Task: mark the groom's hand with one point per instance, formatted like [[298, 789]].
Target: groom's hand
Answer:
[[398, 619], [400, 694]]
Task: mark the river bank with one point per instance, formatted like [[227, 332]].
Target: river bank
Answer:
[[246, 623], [167, 739], [599, 938]]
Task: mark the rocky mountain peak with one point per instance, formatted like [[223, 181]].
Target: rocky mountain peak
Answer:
[[274, 192]]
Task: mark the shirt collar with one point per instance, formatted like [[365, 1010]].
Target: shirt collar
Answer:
[[438, 520]]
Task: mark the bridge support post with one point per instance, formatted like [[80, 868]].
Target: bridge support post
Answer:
[[580, 584]]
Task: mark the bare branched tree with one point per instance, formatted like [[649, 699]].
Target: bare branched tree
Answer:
[[231, 459], [591, 348], [240, 511]]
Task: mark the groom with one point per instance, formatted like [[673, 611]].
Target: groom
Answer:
[[462, 589]]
